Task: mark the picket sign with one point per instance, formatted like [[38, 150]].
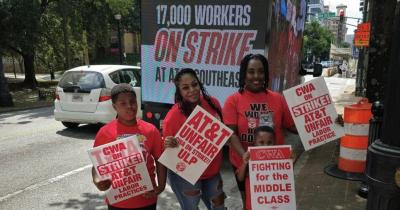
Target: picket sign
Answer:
[[122, 162], [200, 139], [271, 178], [314, 113]]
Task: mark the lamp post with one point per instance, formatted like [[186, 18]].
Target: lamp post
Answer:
[[383, 157], [118, 18]]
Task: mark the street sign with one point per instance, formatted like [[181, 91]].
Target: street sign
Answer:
[[326, 15], [364, 27], [362, 34]]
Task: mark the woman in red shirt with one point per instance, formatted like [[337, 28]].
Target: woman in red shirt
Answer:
[[189, 93], [254, 104]]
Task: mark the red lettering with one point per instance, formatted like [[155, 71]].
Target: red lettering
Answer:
[[114, 148], [213, 46], [231, 48], [244, 46], [224, 134], [189, 56], [196, 119], [204, 36], [173, 45], [160, 44], [305, 89]]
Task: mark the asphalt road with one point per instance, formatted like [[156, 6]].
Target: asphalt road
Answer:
[[43, 165]]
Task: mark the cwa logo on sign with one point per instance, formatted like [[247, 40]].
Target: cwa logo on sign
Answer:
[[270, 154]]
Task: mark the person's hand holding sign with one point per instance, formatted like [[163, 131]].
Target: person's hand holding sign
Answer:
[[246, 157], [101, 185], [157, 190], [170, 142], [339, 120]]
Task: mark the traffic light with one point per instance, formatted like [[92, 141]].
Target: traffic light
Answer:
[[340, 35], [341, 16]]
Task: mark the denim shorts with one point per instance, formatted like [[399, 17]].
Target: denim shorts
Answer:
[[209, 188]]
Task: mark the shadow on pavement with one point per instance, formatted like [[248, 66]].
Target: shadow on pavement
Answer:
[[29, 114], [81, 132], [89, 201]]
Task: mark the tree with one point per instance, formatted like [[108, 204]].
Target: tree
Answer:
[[317, 41], [5, 96], [23, 32]]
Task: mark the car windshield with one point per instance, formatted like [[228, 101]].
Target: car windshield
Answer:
[[84, 80]]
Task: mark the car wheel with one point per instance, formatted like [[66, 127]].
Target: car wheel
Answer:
[[70, 124]]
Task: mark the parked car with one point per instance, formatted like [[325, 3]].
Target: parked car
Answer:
[[327, 64], [83, 95]]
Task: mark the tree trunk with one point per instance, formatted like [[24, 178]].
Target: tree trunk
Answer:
[[5, 96], [30, 79]]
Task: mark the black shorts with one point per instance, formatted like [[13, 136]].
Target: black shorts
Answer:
[[151, 207], [240, 184]]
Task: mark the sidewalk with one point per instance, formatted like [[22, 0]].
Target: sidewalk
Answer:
[[26, 98], [315, 190]]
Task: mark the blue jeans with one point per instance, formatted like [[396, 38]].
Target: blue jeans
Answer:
[[208, 189]]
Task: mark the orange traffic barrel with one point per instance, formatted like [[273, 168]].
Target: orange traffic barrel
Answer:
[[354, 145]]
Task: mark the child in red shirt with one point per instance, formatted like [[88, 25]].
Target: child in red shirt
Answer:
[[126, 124], [263, 136]]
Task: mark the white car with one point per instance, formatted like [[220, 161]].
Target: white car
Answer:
[[83, 95]]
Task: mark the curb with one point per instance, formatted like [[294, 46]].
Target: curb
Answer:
[[15, 109]]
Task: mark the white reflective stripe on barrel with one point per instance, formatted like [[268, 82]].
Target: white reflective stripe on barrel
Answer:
[[356, 129], [353, 154]]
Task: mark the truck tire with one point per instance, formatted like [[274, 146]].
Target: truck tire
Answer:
[[70, 124]]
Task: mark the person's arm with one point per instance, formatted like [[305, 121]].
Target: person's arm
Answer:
[[287, 119], [234, 141], [242, 170], [170, 142], [161, 177], [161, 171], [293, 129], [101, 185]]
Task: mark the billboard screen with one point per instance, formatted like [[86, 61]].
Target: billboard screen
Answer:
[[209, 36]]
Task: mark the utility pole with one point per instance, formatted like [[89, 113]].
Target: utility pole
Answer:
[[383, 157], [381, 13], [118, 18], [339, 37], [362, 60]]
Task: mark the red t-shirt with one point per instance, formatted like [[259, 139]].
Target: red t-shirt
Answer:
[[247, 193], [151, 146], [174, 121], [244, 110]]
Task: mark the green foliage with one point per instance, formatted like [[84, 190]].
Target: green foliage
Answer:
[[344, 45], [317, 40], [60, 32]]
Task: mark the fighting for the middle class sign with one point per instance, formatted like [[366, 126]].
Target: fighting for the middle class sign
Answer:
[[200, 139], [314, 113]]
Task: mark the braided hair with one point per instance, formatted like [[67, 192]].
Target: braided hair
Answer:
[[243, 69], [185, 107]]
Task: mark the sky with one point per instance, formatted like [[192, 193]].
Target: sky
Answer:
[[352, 10]]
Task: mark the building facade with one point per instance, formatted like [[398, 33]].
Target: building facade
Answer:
[[314, 7]]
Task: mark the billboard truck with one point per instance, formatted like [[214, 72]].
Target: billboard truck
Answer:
[[211, 37]]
